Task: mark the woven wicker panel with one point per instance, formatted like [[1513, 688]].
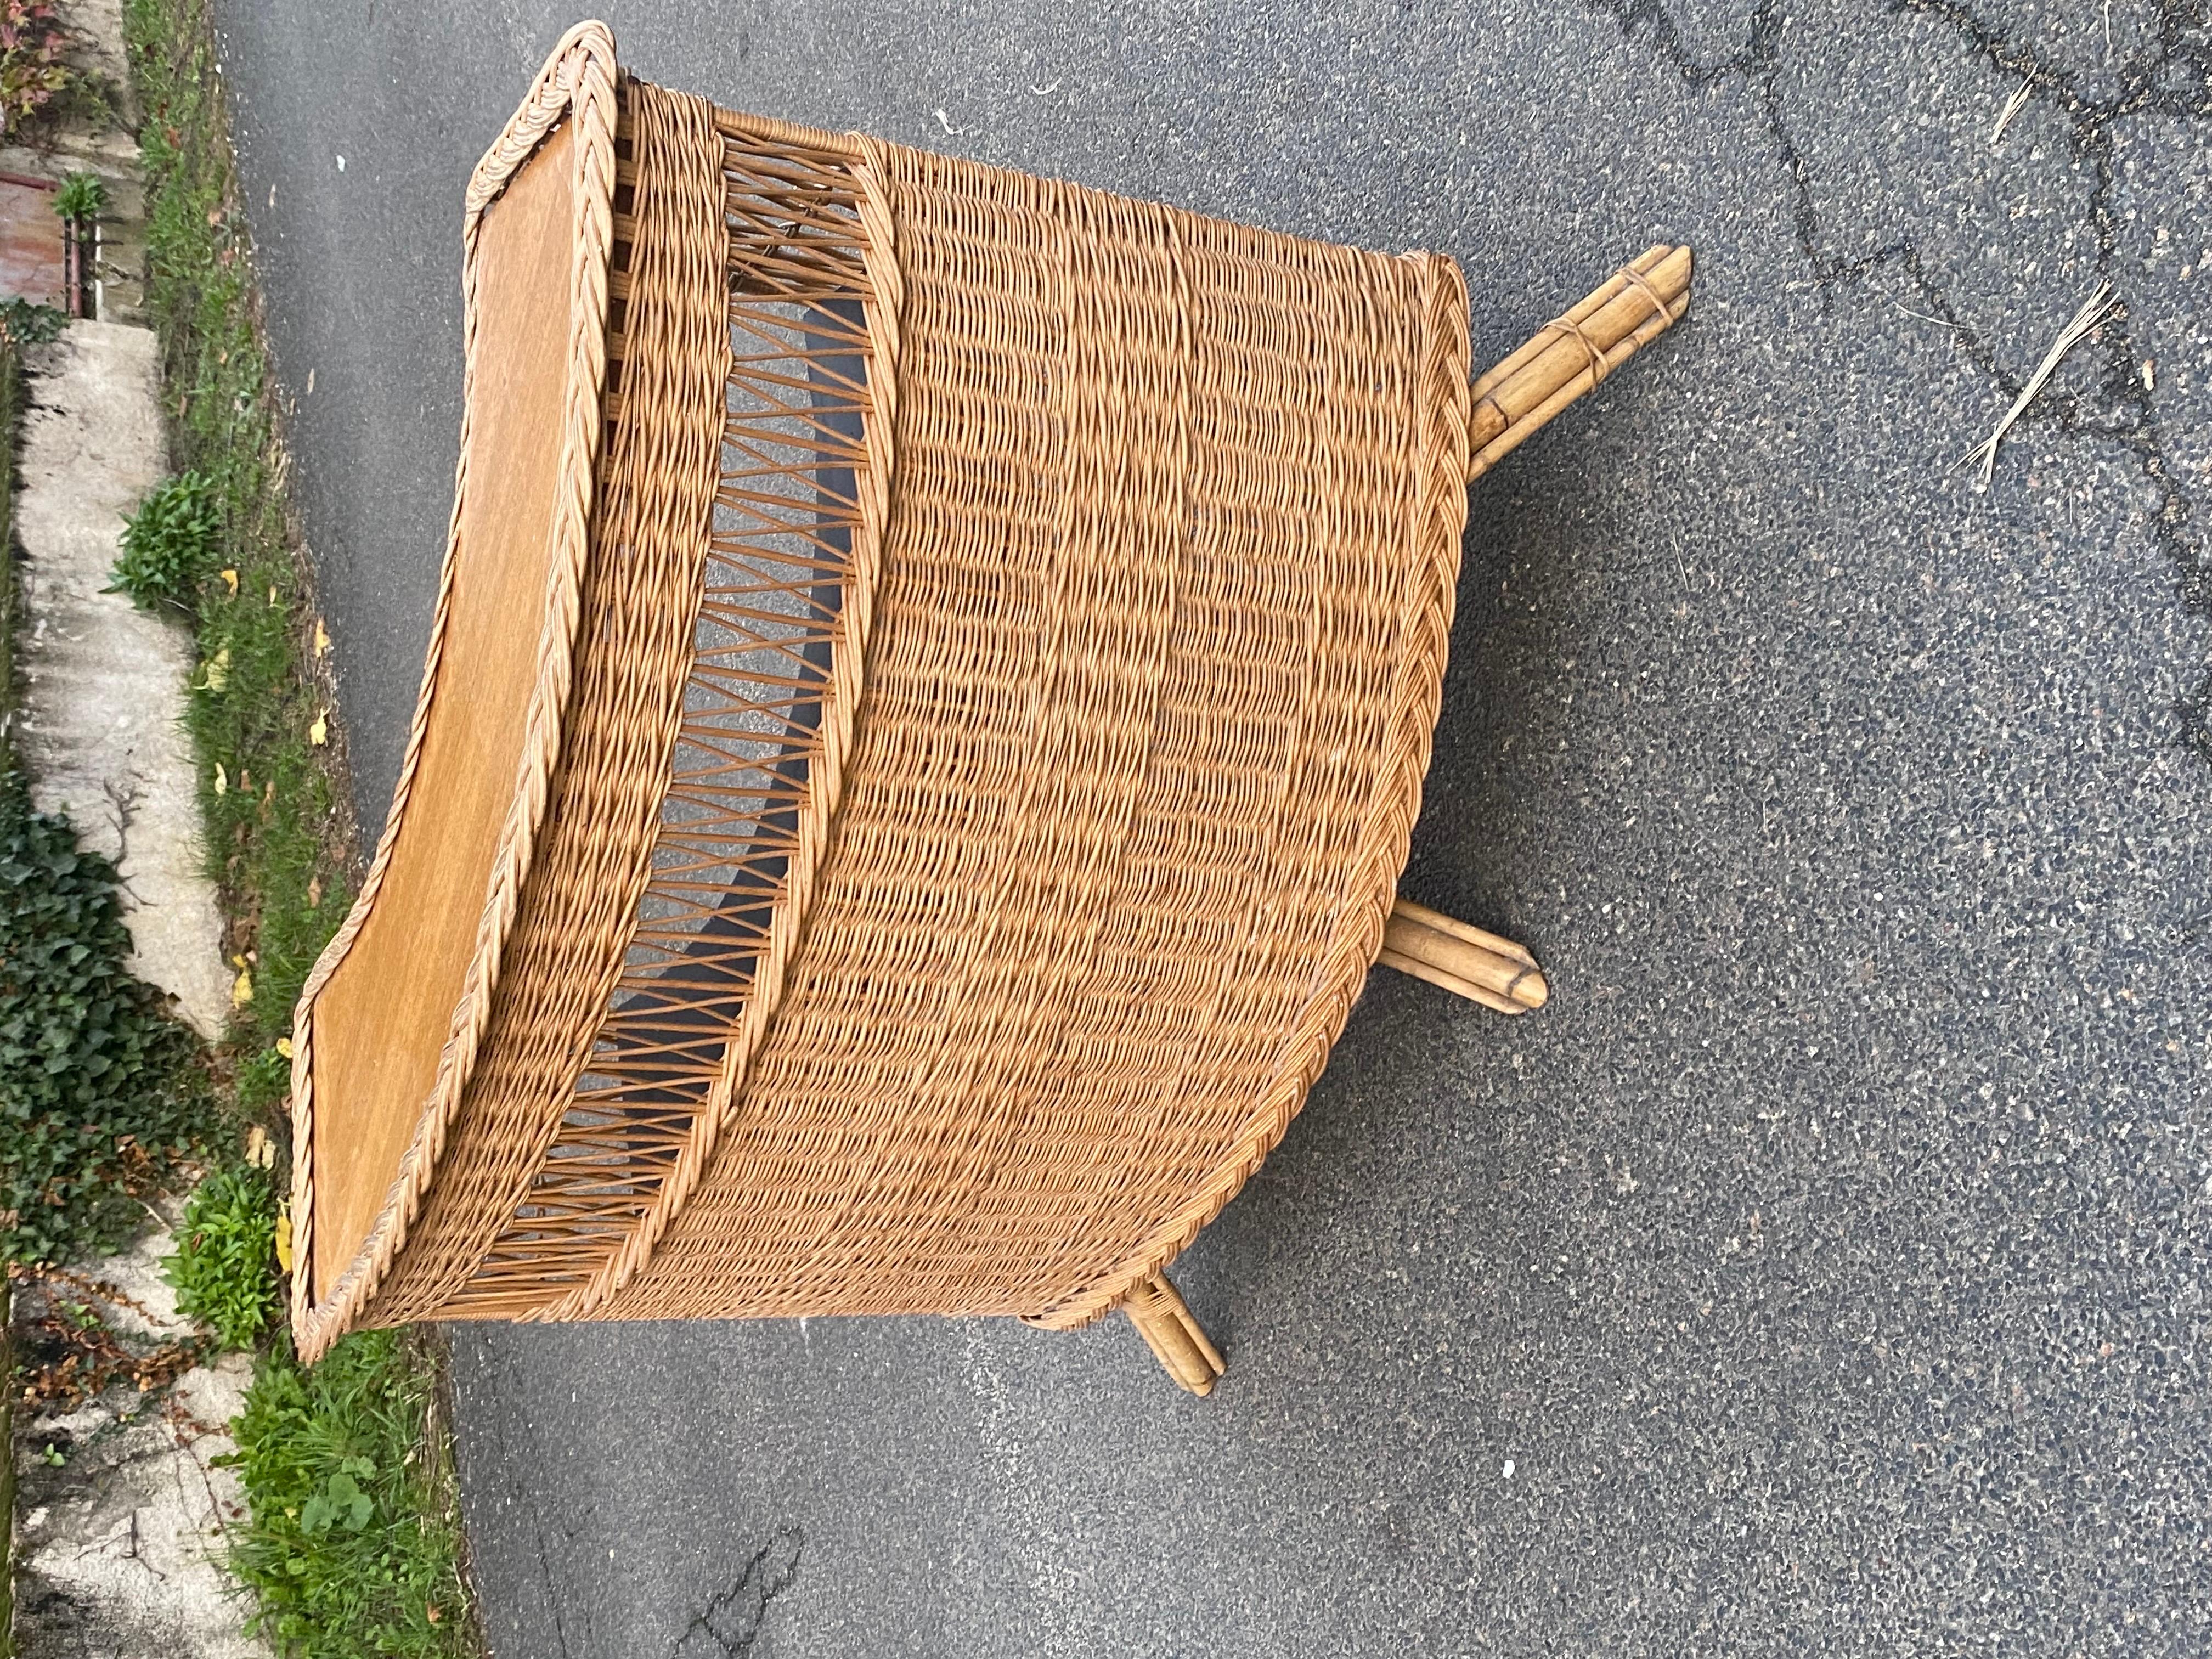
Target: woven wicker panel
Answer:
[[1157, 634], [771, 609], [976, 745]]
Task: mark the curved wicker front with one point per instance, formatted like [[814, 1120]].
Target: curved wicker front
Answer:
[[1157, 633], [1010, 639]]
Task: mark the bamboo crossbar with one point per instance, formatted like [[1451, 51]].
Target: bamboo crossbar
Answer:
[[1574, 353], [1478, 965]]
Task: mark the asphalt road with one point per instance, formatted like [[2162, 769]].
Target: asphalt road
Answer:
[[1823, 1271]]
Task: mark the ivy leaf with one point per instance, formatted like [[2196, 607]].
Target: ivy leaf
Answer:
[[348, 1502]]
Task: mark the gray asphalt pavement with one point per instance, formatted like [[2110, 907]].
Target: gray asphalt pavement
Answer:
[[1822, 1271]]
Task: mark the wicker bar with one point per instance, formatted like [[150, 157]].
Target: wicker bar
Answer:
[[929, 692]]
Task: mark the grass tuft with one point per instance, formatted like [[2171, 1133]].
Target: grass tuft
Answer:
[[224, 1270], [343, 1557], [169, 544]]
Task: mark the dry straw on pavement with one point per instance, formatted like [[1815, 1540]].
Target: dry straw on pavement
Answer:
[[929, 694]]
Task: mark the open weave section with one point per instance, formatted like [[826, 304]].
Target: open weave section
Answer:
[[771, 614]]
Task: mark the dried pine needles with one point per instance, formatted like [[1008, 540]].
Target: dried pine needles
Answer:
[[2093, 311]]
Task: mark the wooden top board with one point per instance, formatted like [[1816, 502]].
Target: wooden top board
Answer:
[[387, 1010]]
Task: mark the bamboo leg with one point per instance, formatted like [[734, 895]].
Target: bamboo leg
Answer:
[[1571, 353], [1482, 967], [1156, 1308]]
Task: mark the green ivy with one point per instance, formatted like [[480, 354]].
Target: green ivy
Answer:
[[169, 543], [225, 1266], [101, 1093], [25, 322]]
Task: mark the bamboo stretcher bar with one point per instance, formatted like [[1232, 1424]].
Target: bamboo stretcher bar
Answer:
[[1480, 966], [1575, 352], [1162, 1317]]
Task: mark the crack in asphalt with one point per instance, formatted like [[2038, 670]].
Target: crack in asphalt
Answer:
[[553, 1598], [2184, 39], [733, 1621], [1759, 62], [2142, 91]]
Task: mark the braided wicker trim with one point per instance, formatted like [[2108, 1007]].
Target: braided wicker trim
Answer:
[[578, 82], [1341, 970]]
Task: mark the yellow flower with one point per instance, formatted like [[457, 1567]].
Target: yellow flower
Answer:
[[284, 1047]]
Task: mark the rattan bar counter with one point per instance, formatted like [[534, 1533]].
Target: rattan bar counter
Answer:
[[928, 696]]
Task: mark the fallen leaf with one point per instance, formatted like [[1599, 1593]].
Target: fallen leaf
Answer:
[[230, 580], [215, 670], [434, 1612], [284, 1047], [272, 596], [284, 1237], [319, 733], [322, 639], [259, 1152], [241, 988], [221, 780], [314, 892]]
